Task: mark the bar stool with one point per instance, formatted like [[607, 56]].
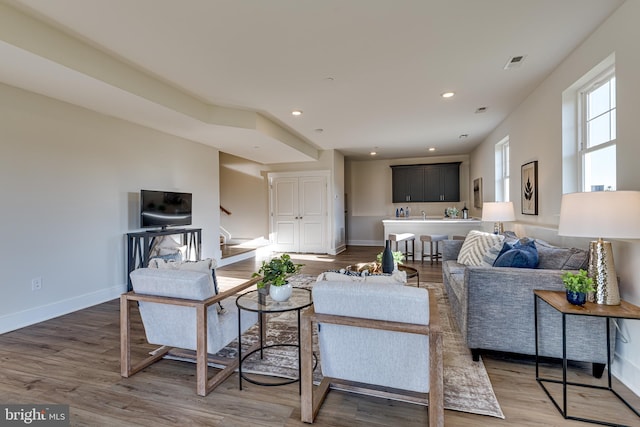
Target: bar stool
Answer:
[[432, 238], [406, 238]]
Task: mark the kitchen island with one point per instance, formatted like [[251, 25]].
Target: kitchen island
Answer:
[[430, 225]]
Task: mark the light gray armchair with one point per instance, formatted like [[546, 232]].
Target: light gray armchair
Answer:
[[179, 309], [382, 337]]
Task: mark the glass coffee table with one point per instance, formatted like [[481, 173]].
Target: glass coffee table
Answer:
[[264, 305]]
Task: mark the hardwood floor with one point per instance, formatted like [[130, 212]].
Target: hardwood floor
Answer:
[[74, 359]]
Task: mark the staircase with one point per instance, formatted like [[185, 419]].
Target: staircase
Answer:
[[235, 250]]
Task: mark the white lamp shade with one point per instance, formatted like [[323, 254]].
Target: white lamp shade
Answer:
[[604, 214], [498, 211]]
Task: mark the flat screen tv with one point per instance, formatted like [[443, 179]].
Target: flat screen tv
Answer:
[[164, 209]]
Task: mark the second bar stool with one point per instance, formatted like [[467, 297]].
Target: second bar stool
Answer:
[[432, 238]]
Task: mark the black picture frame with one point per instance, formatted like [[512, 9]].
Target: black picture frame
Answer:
[[529, 188]]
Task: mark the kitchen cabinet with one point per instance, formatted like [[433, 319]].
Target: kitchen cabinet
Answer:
[[438, 182], [408, 184]]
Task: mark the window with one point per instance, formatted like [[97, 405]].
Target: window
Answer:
[[597, 133], [502, 170]]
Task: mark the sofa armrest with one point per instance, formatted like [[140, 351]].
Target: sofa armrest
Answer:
[[451, 249]]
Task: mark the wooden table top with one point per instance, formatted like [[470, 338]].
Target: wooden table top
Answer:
[[558, 300]]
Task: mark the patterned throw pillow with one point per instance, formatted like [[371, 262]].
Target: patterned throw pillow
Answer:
[[476, 245]]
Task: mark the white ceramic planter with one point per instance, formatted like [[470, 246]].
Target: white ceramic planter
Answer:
[[280, 293]]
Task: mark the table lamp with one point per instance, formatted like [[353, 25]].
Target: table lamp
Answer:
[[602, 214], [498, 212]]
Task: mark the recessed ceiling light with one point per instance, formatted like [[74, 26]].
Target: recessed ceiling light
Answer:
[[432, 148], [464, 136], [296, 113], [373, 153], [319, 130], [481, 110], [447, 94]]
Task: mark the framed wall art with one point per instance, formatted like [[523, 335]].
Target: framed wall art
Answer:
[[477, 193], [529, 190]]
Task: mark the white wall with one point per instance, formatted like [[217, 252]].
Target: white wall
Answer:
[[369, 200], [535, 133], [244, 192], [69, 182]]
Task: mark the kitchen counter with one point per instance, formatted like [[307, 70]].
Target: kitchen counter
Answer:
[[431, 225], [430, 219]]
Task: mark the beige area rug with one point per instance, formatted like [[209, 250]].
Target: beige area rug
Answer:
[[467, 387]]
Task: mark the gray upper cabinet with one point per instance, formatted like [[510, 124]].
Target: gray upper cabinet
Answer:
[[408, 184], [442, 182], [439, 182]]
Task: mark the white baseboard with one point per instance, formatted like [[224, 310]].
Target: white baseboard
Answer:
[[337, 250], [365, 243], [627, 373], [39, 314], [236, 258]]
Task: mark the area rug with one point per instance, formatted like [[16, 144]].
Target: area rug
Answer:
[[467, 387]]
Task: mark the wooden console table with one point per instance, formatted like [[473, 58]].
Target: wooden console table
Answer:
[[558, 300]]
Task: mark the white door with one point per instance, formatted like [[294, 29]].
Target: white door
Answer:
[[299, 209], [285, 230]]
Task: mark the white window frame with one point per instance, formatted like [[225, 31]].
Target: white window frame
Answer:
[[502, 170], [583, 134]]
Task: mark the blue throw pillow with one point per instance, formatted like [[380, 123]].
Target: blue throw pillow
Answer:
[[522, 254]]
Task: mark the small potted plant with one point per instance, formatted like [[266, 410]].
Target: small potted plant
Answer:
[[274, 277], [577, 286]]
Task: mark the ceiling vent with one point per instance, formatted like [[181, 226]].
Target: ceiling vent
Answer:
[[514, 62]]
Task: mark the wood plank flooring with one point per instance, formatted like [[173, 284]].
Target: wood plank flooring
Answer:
[[74, 359]]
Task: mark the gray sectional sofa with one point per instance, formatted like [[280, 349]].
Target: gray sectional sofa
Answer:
[[494, 307]]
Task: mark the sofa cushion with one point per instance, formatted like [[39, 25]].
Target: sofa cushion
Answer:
[[455, 273], [476, 245], [521, 254], [556, 258]]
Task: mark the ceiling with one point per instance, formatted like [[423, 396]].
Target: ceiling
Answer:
[[367, 74]]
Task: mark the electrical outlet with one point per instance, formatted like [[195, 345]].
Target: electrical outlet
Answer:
[[36, 284]]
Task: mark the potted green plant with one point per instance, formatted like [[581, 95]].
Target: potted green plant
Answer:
[[577, 286], [274, 275], [452, 212]]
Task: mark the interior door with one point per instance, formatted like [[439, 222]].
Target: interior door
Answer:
[[312, 196], [285, 229], [299, 214]]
